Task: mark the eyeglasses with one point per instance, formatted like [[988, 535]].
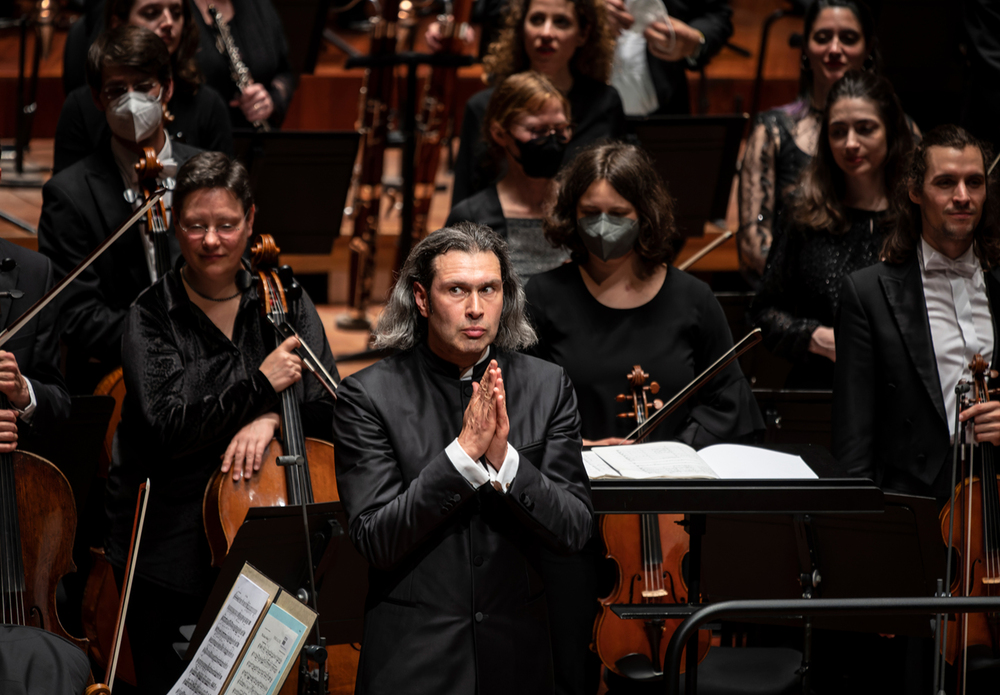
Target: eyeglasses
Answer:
[[118, 89], [198, 231]]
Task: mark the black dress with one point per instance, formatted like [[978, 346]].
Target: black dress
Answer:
[[201, 120], [801, 290], [597, 115], [257, 31], [674, 337]]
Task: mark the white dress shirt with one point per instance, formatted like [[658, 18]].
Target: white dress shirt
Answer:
[[958, 309], [126, 161], [476, 473]]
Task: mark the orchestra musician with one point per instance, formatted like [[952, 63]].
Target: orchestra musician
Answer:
[[528, 124], [568, 41], [459, 465], [833, 225], [128, 70], [616, 305], [260, 37], [910, 325], [203, 378], [199, 116], [839, 36]]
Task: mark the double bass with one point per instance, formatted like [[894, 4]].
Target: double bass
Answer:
[[649, 551], [970, 525]]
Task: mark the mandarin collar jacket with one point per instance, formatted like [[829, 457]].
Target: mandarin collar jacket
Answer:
[[456, 602]]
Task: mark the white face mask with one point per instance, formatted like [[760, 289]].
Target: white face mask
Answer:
[[134, 116]]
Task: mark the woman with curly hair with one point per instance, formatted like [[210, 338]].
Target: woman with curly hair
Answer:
[[527, 124], [568, 41], [198, 115], [620, 303], [834, 224]]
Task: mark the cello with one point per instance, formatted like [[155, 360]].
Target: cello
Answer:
[[649, 552], [226, 502], [975, 505]]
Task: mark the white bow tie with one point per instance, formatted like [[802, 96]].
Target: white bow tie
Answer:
[[939, 263]]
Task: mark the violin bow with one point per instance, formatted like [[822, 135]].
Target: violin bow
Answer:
[[24, 318], [716, 243], [645, 429]]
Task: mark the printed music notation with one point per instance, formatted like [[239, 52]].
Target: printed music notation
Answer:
[[275, 644], [216, 657]]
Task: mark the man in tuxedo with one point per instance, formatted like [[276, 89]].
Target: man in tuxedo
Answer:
[[459, 465], [910, 325], [128, 69]]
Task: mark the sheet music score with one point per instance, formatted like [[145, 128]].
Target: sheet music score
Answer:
[[274, 645], [673, 460], [213, 662]]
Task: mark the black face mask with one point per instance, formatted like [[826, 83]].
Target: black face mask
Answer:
[[541, 158]]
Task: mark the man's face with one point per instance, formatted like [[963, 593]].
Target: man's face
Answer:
[[951, 198], [462, 306]]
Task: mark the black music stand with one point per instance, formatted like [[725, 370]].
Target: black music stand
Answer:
[[304, 21], [270, 539], [300, 181], [696, 157], [699, 498]]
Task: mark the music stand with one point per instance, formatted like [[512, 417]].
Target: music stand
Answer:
[[300, 181], [696, 157], [270, 540], [304, 22]]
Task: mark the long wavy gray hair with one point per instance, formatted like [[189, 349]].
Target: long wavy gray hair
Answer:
[[402, 327]]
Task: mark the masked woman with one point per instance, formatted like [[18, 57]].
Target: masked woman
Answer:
[[833, 225], [197, 114], [620, 303], [203, 379], [568, 41], [527, 124]]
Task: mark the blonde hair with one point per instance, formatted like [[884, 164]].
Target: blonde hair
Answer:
[[525, 92]]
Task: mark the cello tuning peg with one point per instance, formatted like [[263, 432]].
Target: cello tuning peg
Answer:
[[626, 415], [293, 290], [244, 280], [654, 387], [7, 265], [993, 374], [285, 275], [621, 398]]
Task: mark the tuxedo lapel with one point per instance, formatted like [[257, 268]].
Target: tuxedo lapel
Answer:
[[904, 292]]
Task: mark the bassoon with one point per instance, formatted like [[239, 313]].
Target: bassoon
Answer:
[[433, 122], [376, 94]]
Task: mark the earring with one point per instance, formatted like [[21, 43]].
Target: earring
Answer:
[[869, 64]]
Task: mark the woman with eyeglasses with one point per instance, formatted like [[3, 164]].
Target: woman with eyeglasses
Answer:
[[203, 375], [195, 115], [527, 124], [568, 41]]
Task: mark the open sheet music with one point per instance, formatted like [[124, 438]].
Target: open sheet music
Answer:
[[673, 460]]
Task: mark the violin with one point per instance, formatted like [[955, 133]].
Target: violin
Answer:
[[277, 484], [649, 550], [975, 538], [149, 168]]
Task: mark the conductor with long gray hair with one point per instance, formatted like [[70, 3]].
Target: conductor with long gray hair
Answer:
[[459, 464]]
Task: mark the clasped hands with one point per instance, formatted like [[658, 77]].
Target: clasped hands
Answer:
[[485, 425]]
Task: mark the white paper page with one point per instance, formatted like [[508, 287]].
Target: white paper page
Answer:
[[597, 468], [737, 462], [655, 460], [272, 647], [213, 661]]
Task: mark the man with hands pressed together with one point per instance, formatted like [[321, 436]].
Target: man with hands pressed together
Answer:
[[909, 326], [459, 465]]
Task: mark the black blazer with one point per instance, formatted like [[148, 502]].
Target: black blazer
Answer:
[[36, 346], [889, 422], [81, 206], [456, 601], [482, 208]]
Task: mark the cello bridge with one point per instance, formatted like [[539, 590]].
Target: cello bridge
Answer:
[[991, 580], [655, 593]]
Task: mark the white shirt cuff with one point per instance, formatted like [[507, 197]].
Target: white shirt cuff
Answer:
[[29, 410], [477, 474]]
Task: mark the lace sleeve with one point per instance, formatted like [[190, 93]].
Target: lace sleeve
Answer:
[[757, 191], [775, 308]]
